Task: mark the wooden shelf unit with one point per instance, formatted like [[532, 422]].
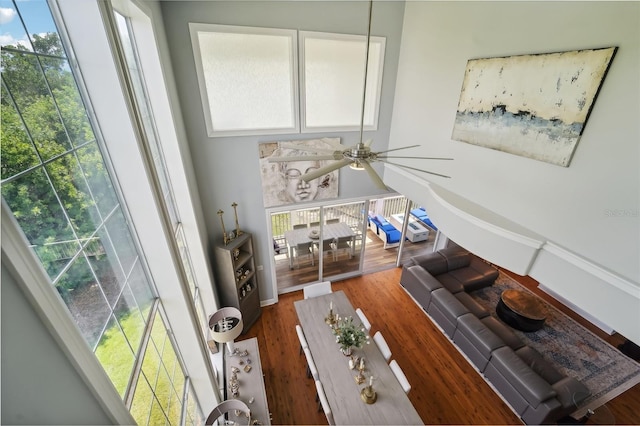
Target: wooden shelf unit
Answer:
[[236, 278]]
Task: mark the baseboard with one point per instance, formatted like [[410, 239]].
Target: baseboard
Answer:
[[602, 326]]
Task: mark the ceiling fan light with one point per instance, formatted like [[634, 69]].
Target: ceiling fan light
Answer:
[[356, 165]]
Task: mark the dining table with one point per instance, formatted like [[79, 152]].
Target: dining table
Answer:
[[329, 231], [343, 393]]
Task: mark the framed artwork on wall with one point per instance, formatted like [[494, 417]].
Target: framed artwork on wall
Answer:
[[281, 181], [535, 106]]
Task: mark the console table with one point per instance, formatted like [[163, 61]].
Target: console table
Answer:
[[252, 391]]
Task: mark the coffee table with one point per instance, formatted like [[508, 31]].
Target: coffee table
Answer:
[[521, 310]]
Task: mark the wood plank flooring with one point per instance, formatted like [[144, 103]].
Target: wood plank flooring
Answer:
[[445, 388]]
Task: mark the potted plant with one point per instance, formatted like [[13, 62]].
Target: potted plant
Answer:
[[350, 335]]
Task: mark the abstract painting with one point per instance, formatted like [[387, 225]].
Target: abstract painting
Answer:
[[535, 106], [281, 181]]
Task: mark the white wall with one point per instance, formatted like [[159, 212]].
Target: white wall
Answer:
[[589, 211], [227, 168], [39, 383]]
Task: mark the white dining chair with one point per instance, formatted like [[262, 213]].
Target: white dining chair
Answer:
[[378, 338], [363, 319], [402, 379], [312, 371], [334, 220], [323, 403], [300, 226], [303, 249], [301, 338], [314, 224], [319, 289], [342, 243]]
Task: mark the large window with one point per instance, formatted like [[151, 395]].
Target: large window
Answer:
[[57, 182], [332, 81], [152, 139], [247, 78], [250, 82]]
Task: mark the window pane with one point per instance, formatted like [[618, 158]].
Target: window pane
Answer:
[[97, 178], [140, 288], [246, 76], [25, 80], [85, 300], [116, 357], [142, 400], [334, 75], [18, 153], [122, 241], [67, 98], [35, 206], [70, 185], [131, 319], [37, 19]]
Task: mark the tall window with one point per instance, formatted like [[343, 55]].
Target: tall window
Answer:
[[56, 181], [152, 139]]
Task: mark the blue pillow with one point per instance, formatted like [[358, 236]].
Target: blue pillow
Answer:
[[381, 219]]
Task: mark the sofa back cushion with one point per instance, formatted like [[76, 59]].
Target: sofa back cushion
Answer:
[[434, 263], [456, 257]]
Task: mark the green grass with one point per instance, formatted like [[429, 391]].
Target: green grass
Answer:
[[161, 376]]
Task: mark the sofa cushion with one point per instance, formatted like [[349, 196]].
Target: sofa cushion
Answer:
[[470, 279], [526, 381], [432, 262], [419, 283], [450, 282], [505, 333], [476, 340], [456, 257], [474, 307], [570, 392], [445, 310], [489, 272], [538, 364]]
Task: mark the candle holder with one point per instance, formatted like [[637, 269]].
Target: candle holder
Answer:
[[360, 377], [235, 211], [331, 319], [368, 395], [225, 237]]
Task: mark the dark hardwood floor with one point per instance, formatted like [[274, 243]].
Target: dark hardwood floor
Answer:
[[445, 388]]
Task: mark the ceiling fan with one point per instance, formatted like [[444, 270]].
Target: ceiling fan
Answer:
[[360, 156]]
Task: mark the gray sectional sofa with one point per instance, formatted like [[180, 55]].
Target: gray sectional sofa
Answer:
[[440, 283]]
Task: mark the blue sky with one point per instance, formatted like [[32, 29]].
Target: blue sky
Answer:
[[36, 15]]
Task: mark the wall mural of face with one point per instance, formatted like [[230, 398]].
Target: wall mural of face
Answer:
[[281, 181], [297, 190]]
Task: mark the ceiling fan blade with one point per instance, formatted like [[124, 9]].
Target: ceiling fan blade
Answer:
[[373, 175], [333, 146], [414, 168], [396, 149], [303, 158], [419, 158], [324, 170]]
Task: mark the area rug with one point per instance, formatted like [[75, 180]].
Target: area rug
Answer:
[[572, 349]]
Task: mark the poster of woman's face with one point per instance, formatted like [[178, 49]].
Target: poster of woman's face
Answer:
[[282, 181]]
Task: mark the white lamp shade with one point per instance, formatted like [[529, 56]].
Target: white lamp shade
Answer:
[[225, 407], [231, 330]]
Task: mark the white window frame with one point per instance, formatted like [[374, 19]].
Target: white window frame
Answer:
[[196, 29], [374, 88], [95, 62]]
